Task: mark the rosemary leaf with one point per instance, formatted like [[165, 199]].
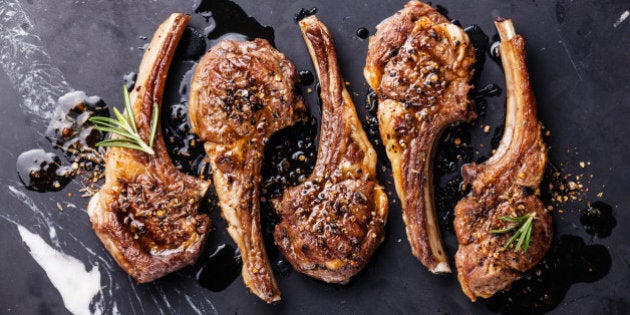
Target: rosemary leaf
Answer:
[[522, 231], [128, 110], [154, 123], [115, 130], [125, 128], [120, 143]]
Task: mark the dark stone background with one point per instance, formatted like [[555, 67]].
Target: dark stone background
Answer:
[[580, 69]]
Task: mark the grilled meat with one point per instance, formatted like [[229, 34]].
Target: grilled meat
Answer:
[[332, 223], [241, 93], [146, 212], [419, 65], [504, 186]]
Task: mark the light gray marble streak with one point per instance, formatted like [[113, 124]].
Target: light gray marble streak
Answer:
[[43, 217], [136, 296], [164, 296], [36, 80], [77, 284]]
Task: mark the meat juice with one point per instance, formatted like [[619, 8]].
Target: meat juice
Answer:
[[220, 269]]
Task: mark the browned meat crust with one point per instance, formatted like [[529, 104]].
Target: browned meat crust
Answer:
[[242, 92], [422, 82], [332, 223], [146, 212], [504, 185], [391, 34]]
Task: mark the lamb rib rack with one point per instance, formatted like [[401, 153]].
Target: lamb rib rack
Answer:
[[146, 212], [504, 187], [241, 93], [332, 223], [420, 65]]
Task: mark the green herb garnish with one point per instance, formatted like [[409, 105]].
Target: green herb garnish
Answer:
[[124, 126], [523, 226]]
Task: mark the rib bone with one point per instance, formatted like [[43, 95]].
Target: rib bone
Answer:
[[504, 185]]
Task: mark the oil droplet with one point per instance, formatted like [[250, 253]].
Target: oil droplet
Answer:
[[42, 171], [282, 267], [495, 52], [306, 77], [598, 219], [363, 33]]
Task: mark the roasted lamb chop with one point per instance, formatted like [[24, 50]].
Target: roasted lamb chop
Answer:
[[146, 212], [502, 226], [420, 65], [331, 224], [241, 93]]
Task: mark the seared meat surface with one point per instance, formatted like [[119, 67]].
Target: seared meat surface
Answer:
[[504, 186], [420, 66], [332, 223], [241, 93], [146, 212]]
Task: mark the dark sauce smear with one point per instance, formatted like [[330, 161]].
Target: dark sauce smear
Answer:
[[282, 267], [448, 192], [290, 157], [371, 126], [306, 77], [220, 269], [303, 13], [453, 152], [480, 42], [494, 52], [488, 90], [42, 171], [192, 45], [598, 219], [544, 287], [228, 17], [185, 149], [363, 33], [481, 103]]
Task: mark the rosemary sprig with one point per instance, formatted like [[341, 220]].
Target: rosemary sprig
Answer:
[[124, 126], [523, 226]]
